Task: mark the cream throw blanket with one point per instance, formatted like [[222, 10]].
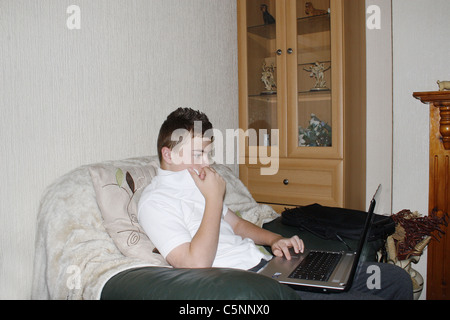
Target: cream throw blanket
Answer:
[[75, 256]]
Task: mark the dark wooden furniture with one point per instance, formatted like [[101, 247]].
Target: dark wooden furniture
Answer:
[[438, 268]]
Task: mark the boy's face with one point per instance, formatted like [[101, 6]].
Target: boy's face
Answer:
[[192, 153]]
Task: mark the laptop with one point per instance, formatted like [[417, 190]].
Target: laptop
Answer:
[[322, 271]]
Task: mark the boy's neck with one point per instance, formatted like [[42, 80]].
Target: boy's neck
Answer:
[[169, 167], [165, 166]]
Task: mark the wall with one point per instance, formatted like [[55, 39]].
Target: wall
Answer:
[[420, 58], [73, 97], [379, 108]]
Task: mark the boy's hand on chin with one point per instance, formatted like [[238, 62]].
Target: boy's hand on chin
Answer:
[[209, 182]]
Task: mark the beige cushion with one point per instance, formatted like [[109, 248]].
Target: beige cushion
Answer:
[[118, 190]]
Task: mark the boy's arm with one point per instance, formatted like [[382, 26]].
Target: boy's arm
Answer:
[[280, 246], [201, 251]]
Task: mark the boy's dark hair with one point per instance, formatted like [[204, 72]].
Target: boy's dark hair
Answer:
[[182, 118]]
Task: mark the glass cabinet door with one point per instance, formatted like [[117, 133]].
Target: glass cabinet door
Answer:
[[265, 85], [313, 102]]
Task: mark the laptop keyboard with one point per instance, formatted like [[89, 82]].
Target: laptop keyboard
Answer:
[[316, 266]]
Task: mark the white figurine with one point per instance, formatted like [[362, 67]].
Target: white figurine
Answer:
[[268, 79], [443, 85], [317, 71]]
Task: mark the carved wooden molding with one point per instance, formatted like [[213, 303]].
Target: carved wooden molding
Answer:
[[441, 100], [438, 277]]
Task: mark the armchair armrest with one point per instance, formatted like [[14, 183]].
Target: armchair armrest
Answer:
[[153, 283]]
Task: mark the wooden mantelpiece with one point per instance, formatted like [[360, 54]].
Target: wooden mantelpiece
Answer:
[[438, 266], [440, 100]]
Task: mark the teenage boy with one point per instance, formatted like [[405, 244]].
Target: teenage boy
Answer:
[[182, 210]]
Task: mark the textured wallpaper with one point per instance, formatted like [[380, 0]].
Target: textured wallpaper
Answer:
[[94, 82]]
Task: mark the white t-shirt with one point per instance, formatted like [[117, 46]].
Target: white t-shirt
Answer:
[[170, 212]]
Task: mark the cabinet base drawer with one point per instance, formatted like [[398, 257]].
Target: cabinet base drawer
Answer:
[[299, 182]]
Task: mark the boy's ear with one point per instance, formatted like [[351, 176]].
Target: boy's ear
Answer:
[[166, 155]]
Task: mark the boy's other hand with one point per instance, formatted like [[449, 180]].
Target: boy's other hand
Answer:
[[281, 246]]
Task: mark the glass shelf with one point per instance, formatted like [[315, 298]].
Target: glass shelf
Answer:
[[303, 95], [267, 31], [305, 25], [314, 95], [312, 62], [313, 24], [264, 96]]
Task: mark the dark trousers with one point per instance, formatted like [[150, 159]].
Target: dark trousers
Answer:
[[373, 281]]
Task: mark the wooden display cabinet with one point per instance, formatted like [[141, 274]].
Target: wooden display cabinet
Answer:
[[301, 120]]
